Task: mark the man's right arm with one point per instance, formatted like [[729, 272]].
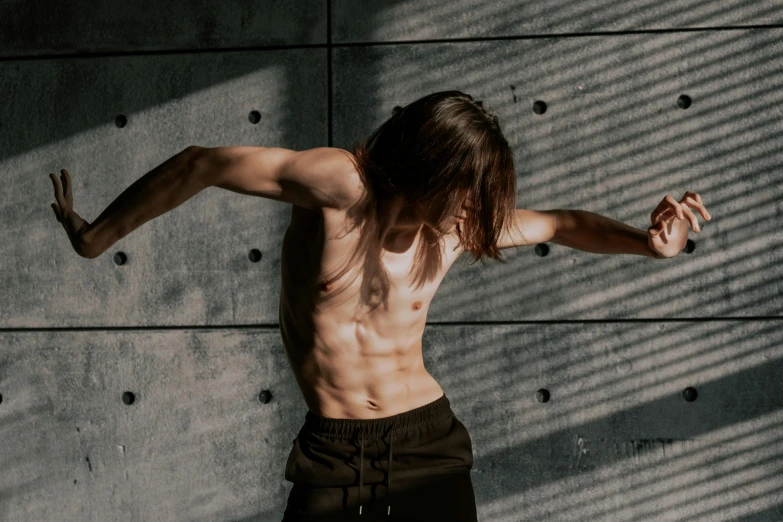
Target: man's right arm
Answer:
[[313, 178]]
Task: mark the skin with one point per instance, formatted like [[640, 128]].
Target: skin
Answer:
[[349, 360]]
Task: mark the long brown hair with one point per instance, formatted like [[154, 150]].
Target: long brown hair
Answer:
[[438, 153]]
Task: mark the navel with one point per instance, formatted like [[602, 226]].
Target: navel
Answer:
[[417, 305], [326, 286]]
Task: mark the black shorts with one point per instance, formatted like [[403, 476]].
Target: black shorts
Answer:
[[410, 466]]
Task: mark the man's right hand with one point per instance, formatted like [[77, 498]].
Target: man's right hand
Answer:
[[73, 224]]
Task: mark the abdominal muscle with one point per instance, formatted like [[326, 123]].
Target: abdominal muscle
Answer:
[[369, 384], [361, 370]]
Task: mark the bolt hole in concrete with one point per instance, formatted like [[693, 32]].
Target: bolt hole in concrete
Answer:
[[539, 107], [254, 255], [265, 396], [690, 394], [128, 398]]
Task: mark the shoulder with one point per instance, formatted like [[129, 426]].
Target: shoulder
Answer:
[[327, 174], [352, 185]]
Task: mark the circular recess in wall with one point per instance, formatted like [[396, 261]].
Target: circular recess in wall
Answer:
[[539, 107], [128, 398], [265, 396], [254, 255], [689, 394], [684, 101]]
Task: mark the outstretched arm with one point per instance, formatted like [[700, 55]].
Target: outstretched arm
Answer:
[[591, 232], [311, 178], [665, 238]]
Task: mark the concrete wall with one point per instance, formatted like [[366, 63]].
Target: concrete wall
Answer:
[[158, 389]]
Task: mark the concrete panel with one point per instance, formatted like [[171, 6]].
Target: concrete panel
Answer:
[[612, 141], [86, 26], [197, 443], [400, 20], [190, 266], [616, 440]]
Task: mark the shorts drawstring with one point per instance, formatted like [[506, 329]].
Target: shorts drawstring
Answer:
[[361, 473], [388, 479], [388, 476], [335, 441]]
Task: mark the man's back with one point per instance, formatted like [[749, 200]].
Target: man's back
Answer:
[[352, 360]]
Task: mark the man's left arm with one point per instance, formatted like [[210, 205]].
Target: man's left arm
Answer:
[[665, 238]]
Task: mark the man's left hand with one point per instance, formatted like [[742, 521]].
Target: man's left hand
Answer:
[[670, 220]]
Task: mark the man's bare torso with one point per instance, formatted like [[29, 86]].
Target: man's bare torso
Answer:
[[349, 360]]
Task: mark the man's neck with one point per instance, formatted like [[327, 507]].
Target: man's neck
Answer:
[[398, 228]]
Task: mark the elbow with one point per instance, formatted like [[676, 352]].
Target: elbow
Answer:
[[198, 165], [562, 222], [195, 153]]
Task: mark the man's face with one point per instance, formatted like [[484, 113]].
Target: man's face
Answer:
[[430, 218]]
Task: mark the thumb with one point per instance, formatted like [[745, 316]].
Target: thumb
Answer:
[[656, 229], [56, 213]]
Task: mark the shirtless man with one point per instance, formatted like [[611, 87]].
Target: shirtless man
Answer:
[[352, 326]]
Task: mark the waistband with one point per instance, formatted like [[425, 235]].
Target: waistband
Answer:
[[374, 428]]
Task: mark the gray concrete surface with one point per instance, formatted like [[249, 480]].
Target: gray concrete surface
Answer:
[[614, 339]]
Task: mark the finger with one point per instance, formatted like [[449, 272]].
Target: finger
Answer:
[[666, 213], [698, 206], [690, 202], [667, 204], [677, 207], [66, 184], [58, 193], [656, 229], [658, 212], [693, 195], [665, 231], [659, 232], [691, 218], [699, 200]]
